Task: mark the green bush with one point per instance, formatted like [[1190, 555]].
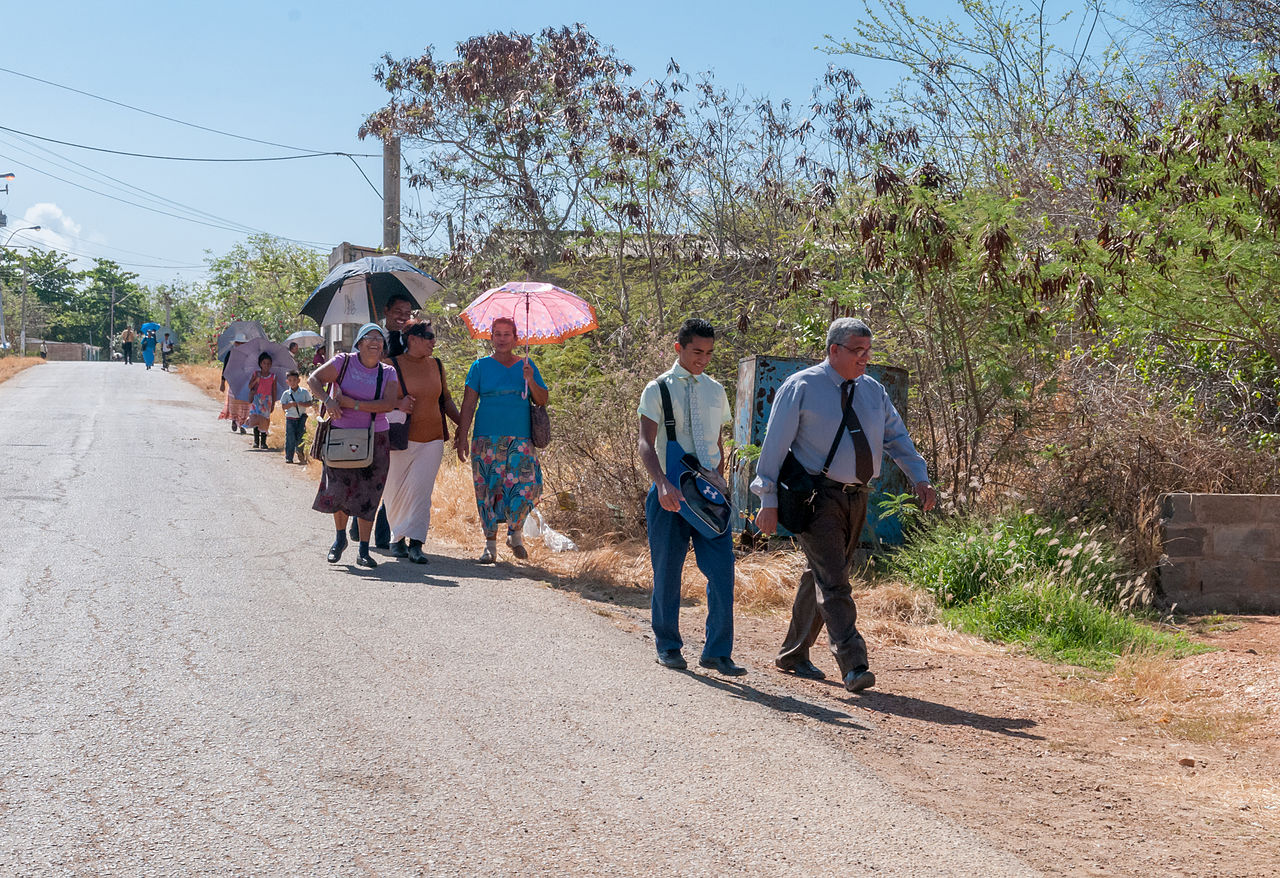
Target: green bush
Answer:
[[964, 558], [1021, 579], [1055, 622]]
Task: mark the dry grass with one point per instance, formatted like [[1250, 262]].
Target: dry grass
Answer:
[[1154, 692], [10, 366]]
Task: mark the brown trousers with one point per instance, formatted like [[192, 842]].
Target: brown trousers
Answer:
[[825, 595]]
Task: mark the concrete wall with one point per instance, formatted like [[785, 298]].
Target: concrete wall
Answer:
[[1221, 552]]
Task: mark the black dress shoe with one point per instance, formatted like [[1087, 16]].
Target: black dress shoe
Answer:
[[415, 553], [399, 549], [723, 664], [671, 658], [801, 668], [856, 681], [365, 561], [335, 551]]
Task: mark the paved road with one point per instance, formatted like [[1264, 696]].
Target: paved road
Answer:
[[186, 687]]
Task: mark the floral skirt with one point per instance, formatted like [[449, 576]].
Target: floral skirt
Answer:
[[508, 480], [357, 492], [234, 409], [260, 411]]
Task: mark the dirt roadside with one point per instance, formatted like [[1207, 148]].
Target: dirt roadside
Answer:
[[1161, 769], [1152, 771]]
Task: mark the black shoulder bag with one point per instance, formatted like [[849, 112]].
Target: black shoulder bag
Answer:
[[798, 489], [398, 431]]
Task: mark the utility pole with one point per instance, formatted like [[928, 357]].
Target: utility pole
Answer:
[[391, 195], [4, 338], [22, 334], [111, 339]]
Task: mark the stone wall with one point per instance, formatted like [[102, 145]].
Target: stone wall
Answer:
[[1221, 552]]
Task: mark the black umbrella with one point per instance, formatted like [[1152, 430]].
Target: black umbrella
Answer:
[[357, 292]]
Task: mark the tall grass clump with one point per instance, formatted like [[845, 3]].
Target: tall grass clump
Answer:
[[1060, 592]]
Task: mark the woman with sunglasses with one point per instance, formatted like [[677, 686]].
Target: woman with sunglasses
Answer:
[[412, 474]]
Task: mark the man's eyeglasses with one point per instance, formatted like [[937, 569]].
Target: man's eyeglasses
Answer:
[[857, 352]]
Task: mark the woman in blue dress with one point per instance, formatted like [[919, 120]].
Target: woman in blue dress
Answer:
[[149, 348], [504, 464]]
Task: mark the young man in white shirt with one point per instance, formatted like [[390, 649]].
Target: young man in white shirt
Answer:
[[700, 408]]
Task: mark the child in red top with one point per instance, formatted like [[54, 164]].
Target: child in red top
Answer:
[[263, 386]]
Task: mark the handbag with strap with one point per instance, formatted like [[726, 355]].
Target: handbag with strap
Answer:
[[398, 429], [702, 493], [347, 447], [798, 488], [444, 420]]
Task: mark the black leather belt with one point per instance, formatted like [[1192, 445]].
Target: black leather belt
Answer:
[[852, 488]]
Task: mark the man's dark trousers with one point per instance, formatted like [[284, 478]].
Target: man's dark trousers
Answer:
[[127, 348], [825, 595], [669, 538]]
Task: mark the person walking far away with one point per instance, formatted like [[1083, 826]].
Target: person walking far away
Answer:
[[833, 405], [262, 384], [149, 348], [295, 401], [166, 351], [126, 345], [700, 409]]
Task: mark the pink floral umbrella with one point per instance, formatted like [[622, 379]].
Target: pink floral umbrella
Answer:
[[544, 313]]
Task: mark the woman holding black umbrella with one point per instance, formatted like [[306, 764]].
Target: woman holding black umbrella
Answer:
[[360, 389]]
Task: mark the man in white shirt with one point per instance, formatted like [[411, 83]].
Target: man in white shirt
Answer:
[[700, 409]]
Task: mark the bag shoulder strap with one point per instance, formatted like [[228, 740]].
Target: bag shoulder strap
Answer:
[[669, 417], [444, 419], [396, 363], [835, 443]]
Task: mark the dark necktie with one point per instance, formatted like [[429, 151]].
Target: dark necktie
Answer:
[[861, 447]]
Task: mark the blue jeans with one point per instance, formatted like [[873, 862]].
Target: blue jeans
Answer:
[[293, 430], [669, 538]]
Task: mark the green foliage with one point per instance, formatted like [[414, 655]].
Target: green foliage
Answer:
[[904, 507], [264, 279], [1055, 622], [1022, 579], [960, 559]]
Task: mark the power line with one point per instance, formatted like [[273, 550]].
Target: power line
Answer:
[[172, 119], [226, 228], [175, 158], [62, 162], [71, 252]]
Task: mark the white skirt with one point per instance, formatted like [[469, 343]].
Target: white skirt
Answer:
[[410, 481]]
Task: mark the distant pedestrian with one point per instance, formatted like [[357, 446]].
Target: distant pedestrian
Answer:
[[814, 412], [262, 384], [700, 410], [44, 349], [149, 348], [166, 351], [501, 389], [320, 357], [295, 401], [126, 345], [234, 409]]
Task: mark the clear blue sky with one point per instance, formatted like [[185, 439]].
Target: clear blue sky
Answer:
[[298, 73]]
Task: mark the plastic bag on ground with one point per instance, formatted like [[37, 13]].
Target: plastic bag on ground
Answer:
[[536, 526]]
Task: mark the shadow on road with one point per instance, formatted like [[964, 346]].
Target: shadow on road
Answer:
[[780, 703], [930, 711]]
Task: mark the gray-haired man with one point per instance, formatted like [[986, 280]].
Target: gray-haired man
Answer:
[[809, 409]]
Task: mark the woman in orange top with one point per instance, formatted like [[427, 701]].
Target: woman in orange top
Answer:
[[412, 474]]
